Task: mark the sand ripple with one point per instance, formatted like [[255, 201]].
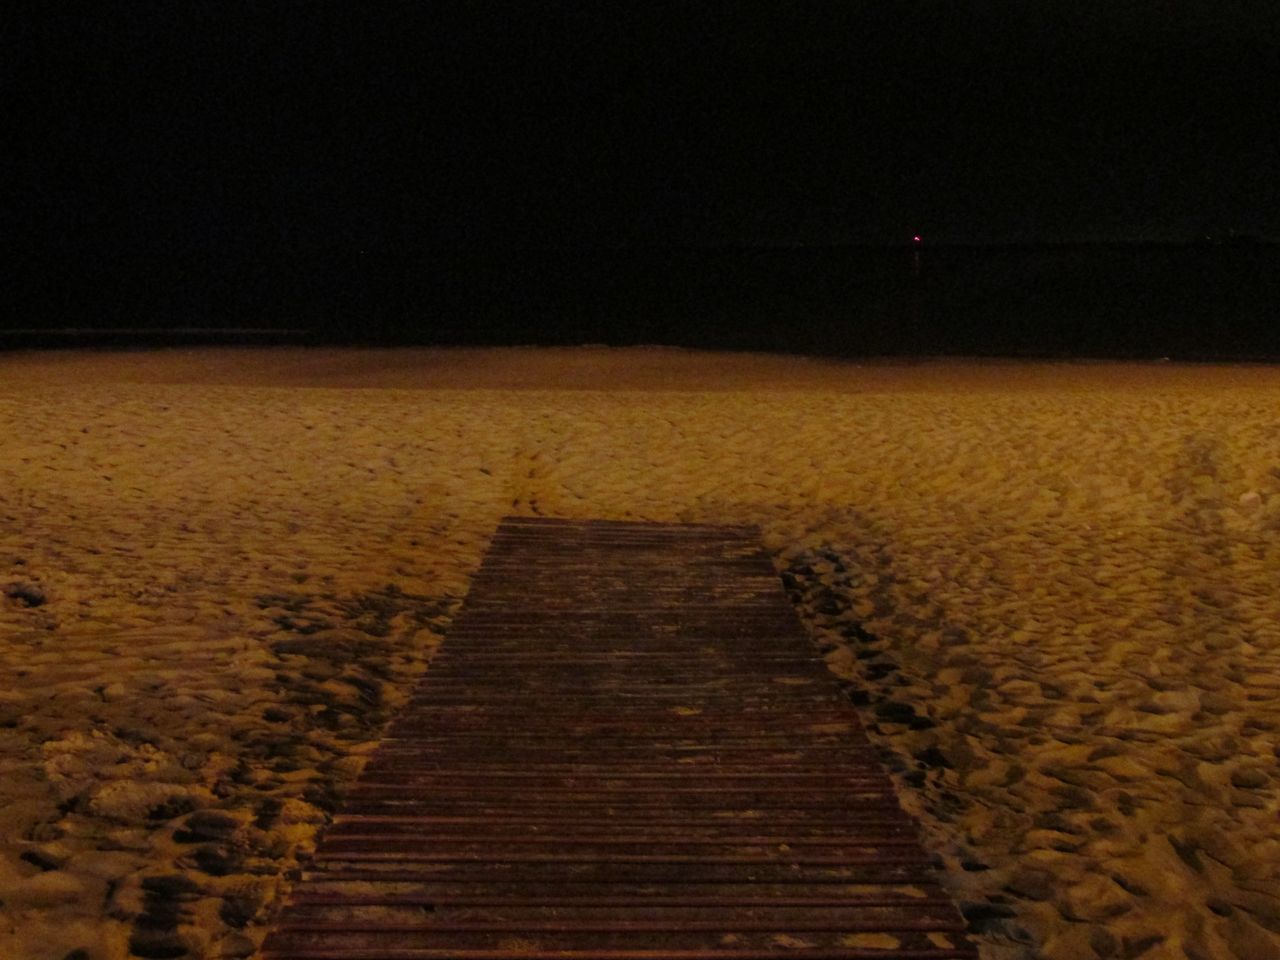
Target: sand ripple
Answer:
[[1057, 607]]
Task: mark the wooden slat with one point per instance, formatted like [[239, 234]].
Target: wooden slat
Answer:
[[626, 749]]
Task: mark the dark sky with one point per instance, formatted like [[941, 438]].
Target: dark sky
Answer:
[[292, 132]]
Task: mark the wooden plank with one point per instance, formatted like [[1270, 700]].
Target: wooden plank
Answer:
[[626, 749]]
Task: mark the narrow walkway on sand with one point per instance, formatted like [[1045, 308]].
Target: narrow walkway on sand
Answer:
[[626, 748]]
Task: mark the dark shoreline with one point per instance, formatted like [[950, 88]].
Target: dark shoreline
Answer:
[[114, 341], [1187, 302]]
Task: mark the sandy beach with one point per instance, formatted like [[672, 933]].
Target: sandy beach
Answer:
[[1051, 588]]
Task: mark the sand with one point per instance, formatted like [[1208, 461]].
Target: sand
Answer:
[[1051, 587]]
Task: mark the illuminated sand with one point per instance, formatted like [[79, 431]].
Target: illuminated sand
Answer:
[[1066, 577]]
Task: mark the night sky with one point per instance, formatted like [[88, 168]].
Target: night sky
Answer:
[[288, 138]]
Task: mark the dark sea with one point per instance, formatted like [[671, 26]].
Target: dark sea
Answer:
[[1182, 302]]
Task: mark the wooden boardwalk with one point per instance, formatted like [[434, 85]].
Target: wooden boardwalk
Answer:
[[626, 749]]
